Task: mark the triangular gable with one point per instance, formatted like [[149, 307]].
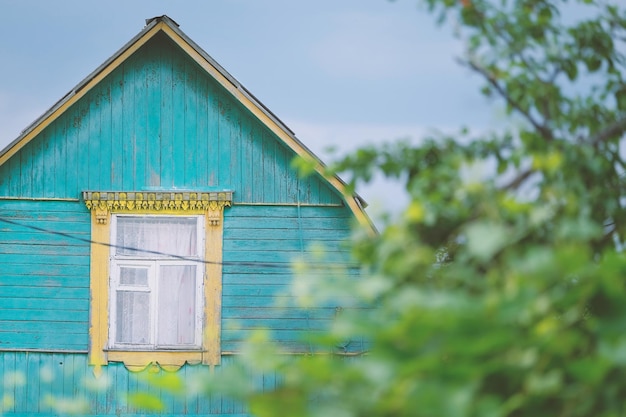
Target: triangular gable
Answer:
[[229, 83]]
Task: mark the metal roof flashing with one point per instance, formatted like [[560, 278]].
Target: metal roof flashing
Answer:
[[164, 18]]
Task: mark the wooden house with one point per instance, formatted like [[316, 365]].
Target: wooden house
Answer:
[[148, 220]]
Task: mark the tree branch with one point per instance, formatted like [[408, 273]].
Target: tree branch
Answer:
[[494, 83], [516, 182], [616, 128]]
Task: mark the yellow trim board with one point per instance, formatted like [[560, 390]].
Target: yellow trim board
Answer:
[[99, 286]]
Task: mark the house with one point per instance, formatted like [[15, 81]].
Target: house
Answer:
[[148, 220]]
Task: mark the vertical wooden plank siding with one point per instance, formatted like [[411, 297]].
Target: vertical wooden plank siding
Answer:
[[36, 382], [159, 121]]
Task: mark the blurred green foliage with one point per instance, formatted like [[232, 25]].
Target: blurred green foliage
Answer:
[[501, 295]]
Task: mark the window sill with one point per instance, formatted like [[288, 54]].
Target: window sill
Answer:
[[168, 360]]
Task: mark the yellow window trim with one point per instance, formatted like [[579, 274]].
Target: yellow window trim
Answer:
[[102, 205]]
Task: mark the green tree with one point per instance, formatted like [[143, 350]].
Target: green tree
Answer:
[[497, 296]]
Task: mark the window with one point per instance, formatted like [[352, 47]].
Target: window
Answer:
[[155, 278], [156, 289]]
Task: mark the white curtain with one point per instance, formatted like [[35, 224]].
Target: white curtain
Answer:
[[133, 317], [175, 281], [165, 235], [177, 305]]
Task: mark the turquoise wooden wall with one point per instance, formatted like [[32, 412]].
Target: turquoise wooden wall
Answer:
[[156, 122]]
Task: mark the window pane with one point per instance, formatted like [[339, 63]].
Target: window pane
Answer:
[[133, 317], [156, 236], [133, 276], [177, 305]]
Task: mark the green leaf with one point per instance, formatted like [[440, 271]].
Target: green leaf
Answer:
[[146, 401]]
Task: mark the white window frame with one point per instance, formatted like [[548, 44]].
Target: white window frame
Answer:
[[153, 262]]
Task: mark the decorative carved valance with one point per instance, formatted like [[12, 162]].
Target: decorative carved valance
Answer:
[[104, 202]]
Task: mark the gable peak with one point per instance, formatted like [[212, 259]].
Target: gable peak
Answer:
[[162, 18]]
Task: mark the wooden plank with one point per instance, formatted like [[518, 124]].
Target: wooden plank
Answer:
[[266, 259], [35, 258], [48, 163], [236, 148], [60, 157], [278, 324], [72, 162], [37, 161], [20, 365], [140, 104], [272, 234], [116, 173], [70, 327], [48, 225], [81, 315], [44, 281], [282, 211], [189, 170], [105, 137], [7, 363], [15, 184], [213, 132], [258, 158], [288, 223], [254, 289], [248, 167], [46, 206], [78, 250], [154, 116], [128, 126], [225, 108], [119, 380], [50, 270], [92, 144], [202, 133], [33, 370], [42, 292], [5, 179], [283, 171], [15, 303], [26, 171], [252, 314], [279, 244], [269, 169], [45, 342]]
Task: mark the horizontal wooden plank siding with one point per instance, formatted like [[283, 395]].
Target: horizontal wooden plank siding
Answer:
[[34, 384], [44, 276], [261, 242], [160, 121]]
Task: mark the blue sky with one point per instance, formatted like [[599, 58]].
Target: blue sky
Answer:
[[337, 72]]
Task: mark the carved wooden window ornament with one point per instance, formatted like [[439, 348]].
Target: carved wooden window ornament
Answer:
[[131, 277]]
